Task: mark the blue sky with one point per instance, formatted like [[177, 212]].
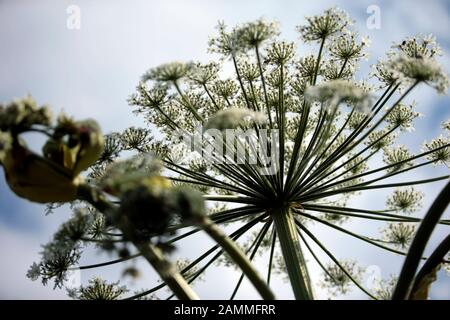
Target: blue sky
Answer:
[[90, 73]]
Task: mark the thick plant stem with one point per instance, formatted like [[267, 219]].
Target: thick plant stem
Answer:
[[292, 253], [153, 255], [237, 256], [429, 222]]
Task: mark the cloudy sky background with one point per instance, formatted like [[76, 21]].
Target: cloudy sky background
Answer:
[[90, 73]]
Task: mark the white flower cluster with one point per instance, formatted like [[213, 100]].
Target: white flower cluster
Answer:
[[306, 67], [126, 174], [242, 38], [333, 70], [135, 139], [406, 200], [249, 71], [357, 119], [226, 43], [226, 89], [419, 46], [414, 61]]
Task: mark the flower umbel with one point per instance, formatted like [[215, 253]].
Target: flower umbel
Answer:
[[330, 135]]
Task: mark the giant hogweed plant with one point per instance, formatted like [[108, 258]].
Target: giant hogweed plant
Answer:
[[325, 133]]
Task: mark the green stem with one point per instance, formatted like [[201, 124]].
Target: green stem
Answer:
[[429, 222], [292, 254], [237, 256]]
